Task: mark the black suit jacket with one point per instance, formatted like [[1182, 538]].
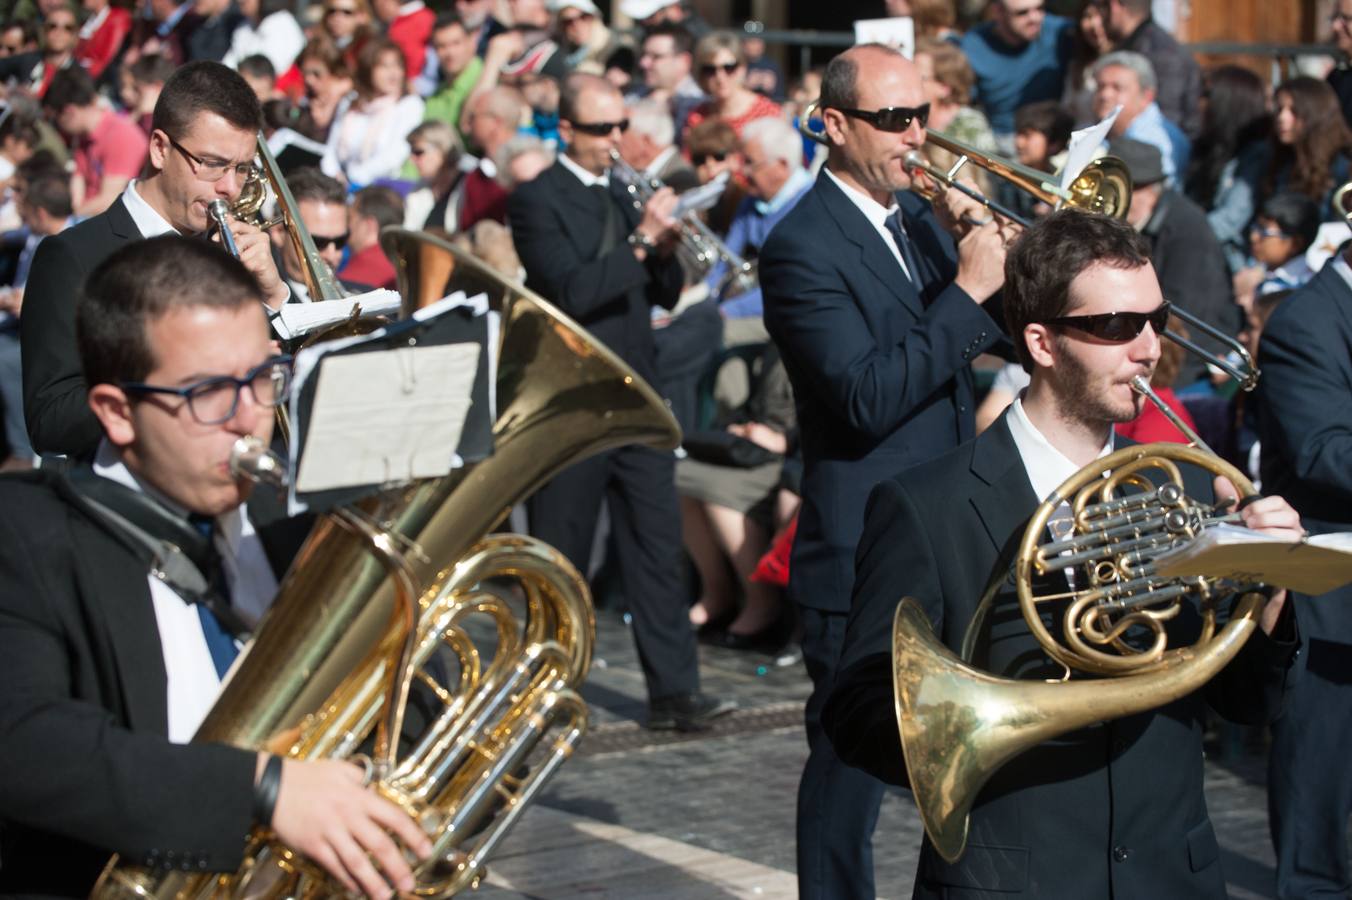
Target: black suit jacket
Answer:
[[86, 768], [880, 374], [1049, 823], [54, 392], [557, 224]]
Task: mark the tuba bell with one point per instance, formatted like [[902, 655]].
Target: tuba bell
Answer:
[[384, 588]]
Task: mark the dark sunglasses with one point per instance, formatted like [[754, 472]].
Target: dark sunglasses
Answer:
[[339, 11], [700, 159], [338, 241], [565, 21], [600, 129], [893, 119], [57, 26], [1117, 327], [708, 69]]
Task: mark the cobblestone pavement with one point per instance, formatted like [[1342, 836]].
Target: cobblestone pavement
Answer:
[[640, 815]]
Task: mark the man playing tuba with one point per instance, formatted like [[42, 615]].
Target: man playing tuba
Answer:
[[1114, 809]]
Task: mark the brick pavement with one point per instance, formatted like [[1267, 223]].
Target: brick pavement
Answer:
[[712, 816]]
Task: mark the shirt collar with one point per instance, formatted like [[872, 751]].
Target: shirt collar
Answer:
[[96, 22], [107, 464], [587, 178], [874, 211], [1047, 467], [148, 220], [796, 184]]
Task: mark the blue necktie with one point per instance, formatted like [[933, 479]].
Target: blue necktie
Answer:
[[907, 252], [220, 642]]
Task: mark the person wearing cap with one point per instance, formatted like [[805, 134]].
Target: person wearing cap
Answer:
[[648, 14], [1185, 253], [586, 41]]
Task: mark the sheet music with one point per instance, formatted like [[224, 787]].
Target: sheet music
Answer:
[[701, 198], [1084, 148], [299, 319], [1315, 565]]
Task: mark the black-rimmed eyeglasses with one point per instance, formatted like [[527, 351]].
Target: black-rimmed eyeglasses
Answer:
[[895, 119], [212, 170], [215, 400], [1117, 327]]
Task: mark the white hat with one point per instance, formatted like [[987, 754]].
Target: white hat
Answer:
[[587, 6], [638, 10]]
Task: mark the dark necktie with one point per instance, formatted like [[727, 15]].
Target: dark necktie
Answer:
[[907, 251], [612, 227], [216, 599]]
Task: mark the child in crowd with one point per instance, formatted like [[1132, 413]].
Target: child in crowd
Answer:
[[1282, 231], [1041, 133]]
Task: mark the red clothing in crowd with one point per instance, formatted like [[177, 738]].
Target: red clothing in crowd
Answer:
[[116, 147], [370, 267], [101, 39], [483, 199], [762, 108], [1152, 425], [411, 30]]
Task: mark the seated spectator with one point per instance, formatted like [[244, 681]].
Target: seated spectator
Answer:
[[1282, 231], [947, 80], [257, 70], [18, 37], [1132, 29], [214, 23], [435, 151], [269, 28], [541, 93], [649, 145], [102, 36], [763, 74], [584, 38], [729, 513], [409, 26], [720, 63], [18, 141], [666, 64], [108, 147], [60, 34], [327, 81], [1127, 79], [715, 152], [1041, 133], [492, 119], [321, 203], [1311, 144], [620, 67], [521, 159], [348, 25], [1090, 42], [372, 209], [366, 142], [1019, 56], [459, 69], [1187, 258], [140, 86]]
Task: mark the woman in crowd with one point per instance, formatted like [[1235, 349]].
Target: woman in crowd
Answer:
[[935, 19], [948, 80], [713, 149], [269, 28], [720, 67], [327, 82], [102, 36], [348, 24], [366, 143], [1090, 42], [435, 151]]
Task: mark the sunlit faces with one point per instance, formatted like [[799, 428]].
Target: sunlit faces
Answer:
[[662, 67], [454, 48], [592, 152], [185, 195], [1118, 84], [765, 174], [387, 75], [875, 158], [60, 32], [721, 75], [1020, 19]]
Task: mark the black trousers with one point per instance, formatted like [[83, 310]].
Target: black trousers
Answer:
[[837, 804], [638, 484], [1309, 780]]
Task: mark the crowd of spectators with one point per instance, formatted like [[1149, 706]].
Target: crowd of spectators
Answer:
[[383, 112]]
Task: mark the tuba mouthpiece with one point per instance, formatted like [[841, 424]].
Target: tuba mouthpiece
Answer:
[[251, 459]]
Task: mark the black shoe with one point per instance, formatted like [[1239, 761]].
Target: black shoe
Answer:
[[687, 712], [769, 640]]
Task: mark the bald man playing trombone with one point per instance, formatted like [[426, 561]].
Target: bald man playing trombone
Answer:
[[878, 304]]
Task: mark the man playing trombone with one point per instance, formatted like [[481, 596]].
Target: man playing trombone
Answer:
[[1115, 809], [877, 315]]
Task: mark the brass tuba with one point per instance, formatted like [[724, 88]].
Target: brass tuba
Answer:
[[959, 724], [383, 587]]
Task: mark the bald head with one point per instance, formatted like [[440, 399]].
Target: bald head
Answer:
[[840, 82], [578, 90]]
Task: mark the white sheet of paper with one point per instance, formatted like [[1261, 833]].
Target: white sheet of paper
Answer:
[[1313, 566], [700, 198], [1331, 236], [299, 319], [387, 417], [1084, 148], [896, 32]]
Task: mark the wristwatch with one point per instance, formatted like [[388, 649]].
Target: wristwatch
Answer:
[[639, 239]]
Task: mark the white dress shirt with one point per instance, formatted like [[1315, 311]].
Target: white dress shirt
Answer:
[[587, 178], [193, 684], [149, 222], [877, 216]]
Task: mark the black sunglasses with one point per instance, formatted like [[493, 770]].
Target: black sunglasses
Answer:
[[1117, 327], [338, 241], [600, 129], [707, 70], [893, 119], [700, 159]]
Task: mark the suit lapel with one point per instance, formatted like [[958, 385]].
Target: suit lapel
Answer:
[[873, 253], [1007, 498], [120, 221]]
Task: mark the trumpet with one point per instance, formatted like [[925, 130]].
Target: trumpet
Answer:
[[699, 241], [1104, 187]]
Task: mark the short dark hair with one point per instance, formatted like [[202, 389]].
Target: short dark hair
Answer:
[[308, 183], [257, 66], [380, 203], [1296, 214], [322, 48], [21, 127], [574, 86], [205, 87], [50, 193], [1043, 262], [70, 87], [27, 27], [448, 19], [681, 39], [1049, 119], [138, 284], [42, 162], [152, 68]]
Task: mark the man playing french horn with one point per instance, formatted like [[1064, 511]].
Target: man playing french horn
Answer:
[[1114, 809]]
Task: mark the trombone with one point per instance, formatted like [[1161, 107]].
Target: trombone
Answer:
[[1104, 187]]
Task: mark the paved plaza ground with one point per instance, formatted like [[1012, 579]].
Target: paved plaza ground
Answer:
[[641, 815]]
